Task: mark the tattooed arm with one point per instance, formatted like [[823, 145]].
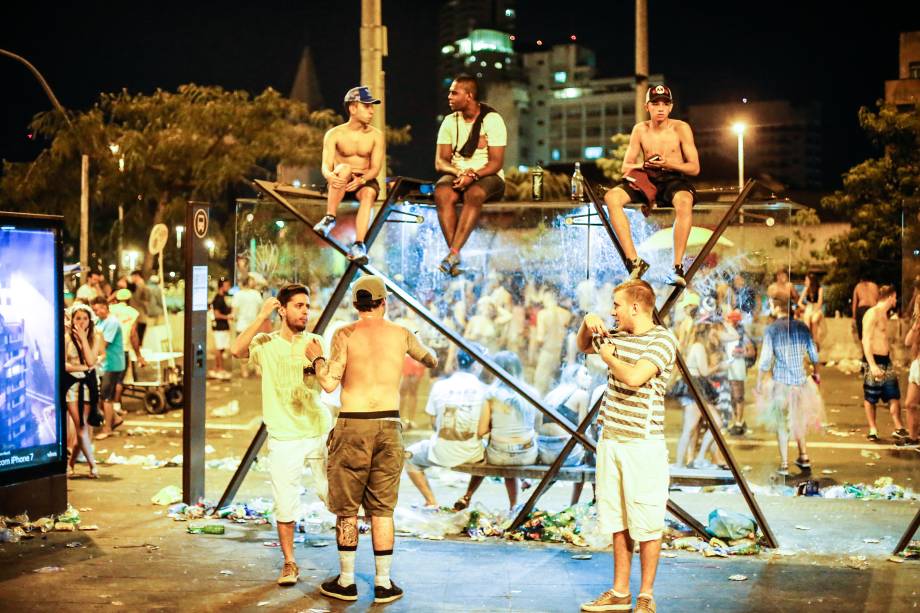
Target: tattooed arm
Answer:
[[419, 351], [329, 373]]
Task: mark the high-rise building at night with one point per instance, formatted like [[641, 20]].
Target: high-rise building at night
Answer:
[[572, 114], [904, 92], [476, 37]]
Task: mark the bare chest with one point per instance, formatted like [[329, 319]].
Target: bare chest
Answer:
[[350, 144], [665, 143]]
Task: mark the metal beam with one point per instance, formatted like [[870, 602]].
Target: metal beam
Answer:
[[703, 407], [908, 535]]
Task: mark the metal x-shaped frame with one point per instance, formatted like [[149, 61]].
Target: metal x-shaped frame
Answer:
[[401, 187], [704, 408]]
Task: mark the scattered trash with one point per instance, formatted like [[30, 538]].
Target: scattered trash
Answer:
[[869, 454], [798, 527], [882, 489], [828, 471], [208, 449], [226, 572], [857, 562], [167, 495], [668, 554], [117, 603], [48, 569], [730, 525], [271, 544], [871, 541], [897, 559], [263, 603], [206, 529], [63, 526], [582, 556], [784, 552], [809, 487], [738, 578], [319, 544], [74, 545], [227, 410], [88, 527]]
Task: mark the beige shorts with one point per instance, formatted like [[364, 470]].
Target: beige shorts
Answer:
[[914, 374], [286, 461], [221, 339], [632, 487]]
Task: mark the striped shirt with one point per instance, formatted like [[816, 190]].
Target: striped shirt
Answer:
[[638, 412]]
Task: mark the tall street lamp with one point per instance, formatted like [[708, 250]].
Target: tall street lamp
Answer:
[[738, 128]]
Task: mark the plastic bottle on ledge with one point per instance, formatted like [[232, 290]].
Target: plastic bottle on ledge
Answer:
[[577, 190], [536, 182]]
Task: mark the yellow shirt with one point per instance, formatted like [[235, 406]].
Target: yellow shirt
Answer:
[[291, 408]]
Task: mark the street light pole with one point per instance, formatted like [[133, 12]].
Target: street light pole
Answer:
[[84, 160], [373, 50], [641, 58], [739, 128]]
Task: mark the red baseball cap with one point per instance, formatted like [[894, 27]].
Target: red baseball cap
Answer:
[[658, 92]]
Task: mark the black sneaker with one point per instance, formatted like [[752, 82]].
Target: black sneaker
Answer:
[[357, 253], [907, 442], [387, 594], [332, 589], [872, 436], [636, 268], [900, 433]]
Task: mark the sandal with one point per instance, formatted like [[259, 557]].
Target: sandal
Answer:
[[462, 503], [804, 463], [94, 472]]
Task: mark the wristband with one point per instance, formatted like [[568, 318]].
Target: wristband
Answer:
[[313, 362]]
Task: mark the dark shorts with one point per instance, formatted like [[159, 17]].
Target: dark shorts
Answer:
[[885, 389], [492, 185], [109, 381], [365, 464], [667, 184], [373, 184]]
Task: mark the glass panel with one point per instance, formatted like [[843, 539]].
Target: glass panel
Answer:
[[532, 262]]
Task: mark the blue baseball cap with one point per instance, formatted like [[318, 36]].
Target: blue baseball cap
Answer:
[[362, 93]]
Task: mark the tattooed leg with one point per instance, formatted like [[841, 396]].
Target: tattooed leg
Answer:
[[346, 532]]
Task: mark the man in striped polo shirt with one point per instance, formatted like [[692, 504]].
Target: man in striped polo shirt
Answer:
[[632, 459]]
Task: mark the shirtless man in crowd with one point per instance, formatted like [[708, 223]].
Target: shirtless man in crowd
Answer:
[[352, 159], [669, 156], [782, 289], [865, 296], [365, 447], [880, 380]]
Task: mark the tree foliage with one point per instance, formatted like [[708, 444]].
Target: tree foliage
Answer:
[[612, 167], [875, 195], [155, 151]]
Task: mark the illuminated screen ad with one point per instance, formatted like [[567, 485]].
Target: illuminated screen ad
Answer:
[[30, 428]]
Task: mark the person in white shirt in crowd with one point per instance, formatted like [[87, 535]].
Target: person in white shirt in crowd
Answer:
[[127, 316], [246, 305], [508, 420], [92, 288], [455, 403]]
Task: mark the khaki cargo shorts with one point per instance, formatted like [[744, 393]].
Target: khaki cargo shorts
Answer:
[[365, 464]]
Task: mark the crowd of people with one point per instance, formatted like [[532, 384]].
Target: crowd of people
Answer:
[[104, 328]]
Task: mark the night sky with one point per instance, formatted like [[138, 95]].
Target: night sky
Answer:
[[709, 52]]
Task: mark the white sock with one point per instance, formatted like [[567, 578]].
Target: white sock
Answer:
[[382, 561], [619, 595], [347, 565]]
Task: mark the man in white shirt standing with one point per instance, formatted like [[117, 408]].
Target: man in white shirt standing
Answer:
[[455, 403], [296, 420], [470, 155]]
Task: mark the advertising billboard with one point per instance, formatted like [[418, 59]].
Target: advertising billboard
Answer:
[[31, 320]]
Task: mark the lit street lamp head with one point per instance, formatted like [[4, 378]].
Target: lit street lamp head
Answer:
[[739, 127]]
